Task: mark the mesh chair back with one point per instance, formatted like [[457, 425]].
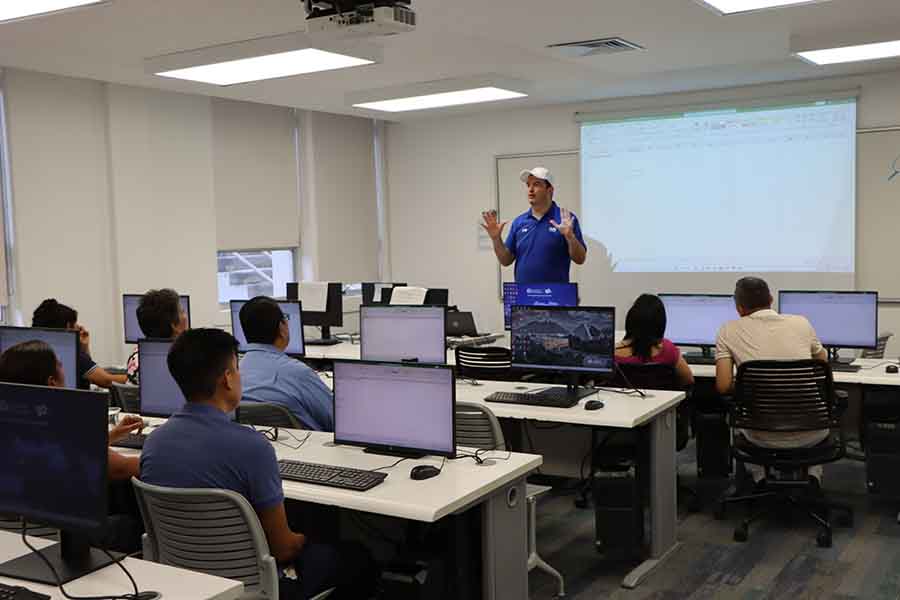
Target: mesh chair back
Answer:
[[880, 346], [477, 427], [651, 376], [207, 530], [784, 396], [483, 362], [127, 396], [263, 414]]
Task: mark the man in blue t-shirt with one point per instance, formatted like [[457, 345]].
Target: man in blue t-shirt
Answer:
[[200, 447], [542, 241]]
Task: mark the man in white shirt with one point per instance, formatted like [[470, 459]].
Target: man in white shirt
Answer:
[[763, 334]]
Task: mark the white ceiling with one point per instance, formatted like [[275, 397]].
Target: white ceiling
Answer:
[[688, 46]]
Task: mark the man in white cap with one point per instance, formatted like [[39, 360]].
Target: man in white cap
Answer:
[[542, 241]]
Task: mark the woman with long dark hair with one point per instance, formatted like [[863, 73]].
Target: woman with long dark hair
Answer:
[[645, 341]]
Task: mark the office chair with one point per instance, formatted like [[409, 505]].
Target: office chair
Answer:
[[264, 414], [126, 396], [477, 427], [483, 362], [211, 531], [787, 397], [883, 339]]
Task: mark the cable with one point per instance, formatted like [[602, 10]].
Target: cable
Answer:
[[390, 466], [627, 381], [295, 438]]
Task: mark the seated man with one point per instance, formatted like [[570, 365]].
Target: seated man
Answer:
[[272, 376], [200, 447], [763, 334], [160, 316]]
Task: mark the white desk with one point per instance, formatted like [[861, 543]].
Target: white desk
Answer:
[[871, 373], [657, 411], [172, 583]]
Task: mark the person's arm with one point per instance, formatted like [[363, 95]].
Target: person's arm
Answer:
[[284, 544], [821, 355], [494, 230], [570, 229], [103, 378], [123, 467], [683, 372], [724, 375], [127, 424]]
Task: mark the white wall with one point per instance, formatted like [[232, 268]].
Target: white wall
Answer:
[[441, 176]]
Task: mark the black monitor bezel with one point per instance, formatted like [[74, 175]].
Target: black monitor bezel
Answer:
[[302, 323], [557, 368], [845, 292], [332, 316], [395, 448], [186, 297], [508, 324], [74, 334], [416, 306], [141, 380], [688, 295]]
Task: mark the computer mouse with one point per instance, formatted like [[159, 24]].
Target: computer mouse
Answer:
[[424, 472], [891, 369], [593, 404]]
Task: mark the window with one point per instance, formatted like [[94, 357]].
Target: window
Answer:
[[247, 273]]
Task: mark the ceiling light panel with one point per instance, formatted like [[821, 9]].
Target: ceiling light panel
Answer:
[[456, 98], [846, 54], [730, 7]]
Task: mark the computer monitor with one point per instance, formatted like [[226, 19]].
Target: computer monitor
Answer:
[[313, 316], [841, 319], [160, 395], [398, 409], [695, 319], [54, 472], [403, 333], [291, 310], [433, 296], [537, 294], [63, 342], [566, 340], [130, 303], [378, 292]]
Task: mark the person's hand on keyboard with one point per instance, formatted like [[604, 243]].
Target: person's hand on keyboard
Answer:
[[127, 424]]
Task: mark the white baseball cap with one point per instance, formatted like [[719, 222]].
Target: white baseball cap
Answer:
[[539, 172]]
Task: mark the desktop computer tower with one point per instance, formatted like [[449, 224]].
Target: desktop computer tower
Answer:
[[881, 438], [713, 444], [618, 512]]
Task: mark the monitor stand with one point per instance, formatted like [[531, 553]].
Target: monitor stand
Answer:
[[412, 454], [71, 558], [835, 359], [704, 357], [326, 339]]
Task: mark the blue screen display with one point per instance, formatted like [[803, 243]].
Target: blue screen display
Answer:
[[537, 294]]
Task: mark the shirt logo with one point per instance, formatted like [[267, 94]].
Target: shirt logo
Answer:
[[553, 230], [524, 230]]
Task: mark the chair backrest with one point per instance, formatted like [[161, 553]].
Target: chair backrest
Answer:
[[127, 396], [783, 396], [207, 530], [477, 427], [651, 376], [880, 346], [483, 362], [264, 414]]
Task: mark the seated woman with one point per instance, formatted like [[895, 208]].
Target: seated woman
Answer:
[[645, 342], [53, 315], [35, 363], [160, 316]]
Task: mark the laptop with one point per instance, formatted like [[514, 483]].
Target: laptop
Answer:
[[460, 324]]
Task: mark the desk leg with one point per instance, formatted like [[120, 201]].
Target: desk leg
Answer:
[[663, 499], [504, 543]]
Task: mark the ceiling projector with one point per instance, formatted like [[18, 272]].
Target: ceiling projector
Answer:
[[366, 18]]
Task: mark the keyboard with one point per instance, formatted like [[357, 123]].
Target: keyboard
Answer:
[[339, 477], [553, 397], [478, 340], [135, 441], [9, 592], [844, 368], [695, 359]]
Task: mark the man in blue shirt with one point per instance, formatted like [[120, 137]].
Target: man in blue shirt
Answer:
[[543, 240], [200, 447], [272, 376]]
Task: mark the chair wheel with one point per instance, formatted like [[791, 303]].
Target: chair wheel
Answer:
[[719, 511], [740, 533], [823, 539]]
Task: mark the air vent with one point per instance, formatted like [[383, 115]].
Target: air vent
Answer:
[[610, 45]]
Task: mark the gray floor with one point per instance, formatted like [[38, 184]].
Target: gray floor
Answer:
[[780, 560]]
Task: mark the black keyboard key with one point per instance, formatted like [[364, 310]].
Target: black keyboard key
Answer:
[[10, 592]]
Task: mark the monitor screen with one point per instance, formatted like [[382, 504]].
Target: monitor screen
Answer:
[[695, 319], [160, 395], [294, 316], [54, 447], [398, 333], [130, 303], [63, 342], [537, 294], [564, 339], [392, 406], [841, 319]]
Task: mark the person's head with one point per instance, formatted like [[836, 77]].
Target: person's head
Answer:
[[750, 295], [539, 183], [645, 325], [264, 323], [54, 315], [32, 363], [160, 315], [203, 362]]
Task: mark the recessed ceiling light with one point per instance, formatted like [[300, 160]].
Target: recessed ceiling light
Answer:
[[18, 9], [833, 56], [730, 7], [456, 98]]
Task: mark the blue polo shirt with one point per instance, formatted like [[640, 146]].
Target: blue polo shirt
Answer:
[[201, 447], [269, 375], [541, 252]]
